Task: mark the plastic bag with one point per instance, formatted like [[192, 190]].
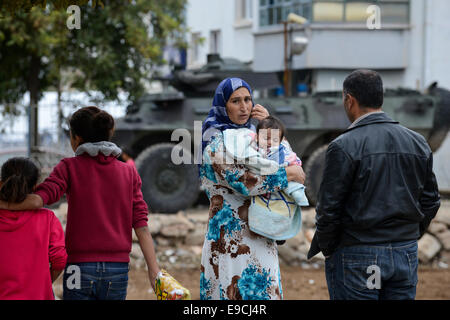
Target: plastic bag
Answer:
[[167, 288]]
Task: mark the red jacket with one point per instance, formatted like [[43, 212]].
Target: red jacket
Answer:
[[29, 240], [105, 203]]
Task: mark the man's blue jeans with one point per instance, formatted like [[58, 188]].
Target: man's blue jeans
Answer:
[[373, 272], [97, 281]]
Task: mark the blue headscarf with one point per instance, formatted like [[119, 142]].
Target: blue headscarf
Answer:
[[218, 119]]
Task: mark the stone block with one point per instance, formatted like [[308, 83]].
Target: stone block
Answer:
[[443, 216], [429, 247], [436, 227], [444, 239]]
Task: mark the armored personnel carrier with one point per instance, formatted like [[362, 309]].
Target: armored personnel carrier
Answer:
[[312, 122]]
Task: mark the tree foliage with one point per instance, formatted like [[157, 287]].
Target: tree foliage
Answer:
[[13, 6], [119, 43]]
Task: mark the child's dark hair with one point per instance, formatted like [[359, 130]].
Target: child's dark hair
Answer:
[[272, 122], [92, 124], [18, 176]]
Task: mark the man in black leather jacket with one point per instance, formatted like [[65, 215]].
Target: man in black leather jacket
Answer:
[[377, 197]]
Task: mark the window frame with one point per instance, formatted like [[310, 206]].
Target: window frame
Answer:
[[215, 41], [243, 16], [305, 3], [195, 47]]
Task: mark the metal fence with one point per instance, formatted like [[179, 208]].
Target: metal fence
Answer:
[[14, 126]]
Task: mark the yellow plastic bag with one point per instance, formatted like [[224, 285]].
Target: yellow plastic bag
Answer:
[[167, 288]]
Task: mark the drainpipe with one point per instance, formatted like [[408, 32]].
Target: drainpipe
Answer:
[[424, 43], [287, 71]]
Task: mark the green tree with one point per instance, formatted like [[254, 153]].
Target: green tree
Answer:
[[116, 49], [14, 6]]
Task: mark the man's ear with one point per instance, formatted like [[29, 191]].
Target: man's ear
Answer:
[[347, 101], [352, 102]]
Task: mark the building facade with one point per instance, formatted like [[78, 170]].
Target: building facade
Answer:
[[220, 26], [407, 41]]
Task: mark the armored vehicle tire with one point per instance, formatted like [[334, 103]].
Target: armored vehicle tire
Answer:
[[314, 172], [167, 188], [441, 124]]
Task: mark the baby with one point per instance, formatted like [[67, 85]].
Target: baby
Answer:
[[272, 144], [270, 137], [275, 215]]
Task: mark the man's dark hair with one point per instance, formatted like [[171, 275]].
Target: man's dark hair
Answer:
[[272, 122], [366, 86]]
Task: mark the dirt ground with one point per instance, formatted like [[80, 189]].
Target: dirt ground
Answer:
[[298, 284]]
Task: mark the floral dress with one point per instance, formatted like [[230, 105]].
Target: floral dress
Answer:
[[236, 263]]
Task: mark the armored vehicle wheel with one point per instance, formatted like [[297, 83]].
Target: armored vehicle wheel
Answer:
[[441, 124], [166, 187], [314, 172]]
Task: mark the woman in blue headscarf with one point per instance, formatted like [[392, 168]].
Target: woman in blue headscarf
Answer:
[[236, 263]]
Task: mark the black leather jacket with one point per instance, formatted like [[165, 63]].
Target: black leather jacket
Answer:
[[378, 187]]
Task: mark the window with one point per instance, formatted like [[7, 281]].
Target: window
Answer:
[[394, 11], [302, 8], [356, 12], [328, 11], [244, 10], [273, 12], [215, 42]]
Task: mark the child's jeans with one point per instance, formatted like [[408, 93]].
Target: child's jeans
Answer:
[[373, 272], [95, 281]]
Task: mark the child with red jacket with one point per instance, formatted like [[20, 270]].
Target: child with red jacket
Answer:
[[29, 240], [105, 203]]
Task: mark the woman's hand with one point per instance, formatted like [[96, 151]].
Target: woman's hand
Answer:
[[259, 112], [295, 173]]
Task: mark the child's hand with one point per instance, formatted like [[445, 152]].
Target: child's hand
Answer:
[[152, 275], [31, 202], [3, 205]]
